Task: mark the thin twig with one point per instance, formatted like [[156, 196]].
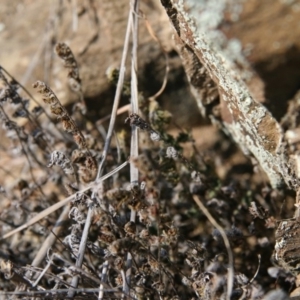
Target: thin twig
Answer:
[[134, 151], [61, 203], [116, 101], [257, 270], [41, 274], [25, 153], [103, 279], [226, 243], [117, 97], [51, 238], [106, 263], [63, 135], [81, 250], [109, 135], [120, 111], [78, 270]]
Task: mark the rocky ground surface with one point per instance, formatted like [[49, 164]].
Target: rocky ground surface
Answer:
[[259, 39]]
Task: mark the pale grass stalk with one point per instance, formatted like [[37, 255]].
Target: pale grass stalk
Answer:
[[257, 270], [120, 111], [61, 203], [113, 116], [82, 245], [74, 268], [81, 251], [42, 273], [50, 240], [134, 147], [103, 276], [103, 279], [230, 278], [117, 96]]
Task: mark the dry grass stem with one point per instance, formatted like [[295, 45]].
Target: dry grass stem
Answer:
[[230, 279], [191, 213], [134, 151], [62, 203]]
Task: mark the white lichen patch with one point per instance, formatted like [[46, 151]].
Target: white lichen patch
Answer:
[[250, 123], [283, 224]]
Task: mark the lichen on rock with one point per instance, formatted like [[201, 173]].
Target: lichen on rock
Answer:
[[223, 95]]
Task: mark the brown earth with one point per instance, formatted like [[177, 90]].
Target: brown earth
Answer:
[[269, 32]]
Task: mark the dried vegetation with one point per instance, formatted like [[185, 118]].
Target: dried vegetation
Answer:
[[91, 210]]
